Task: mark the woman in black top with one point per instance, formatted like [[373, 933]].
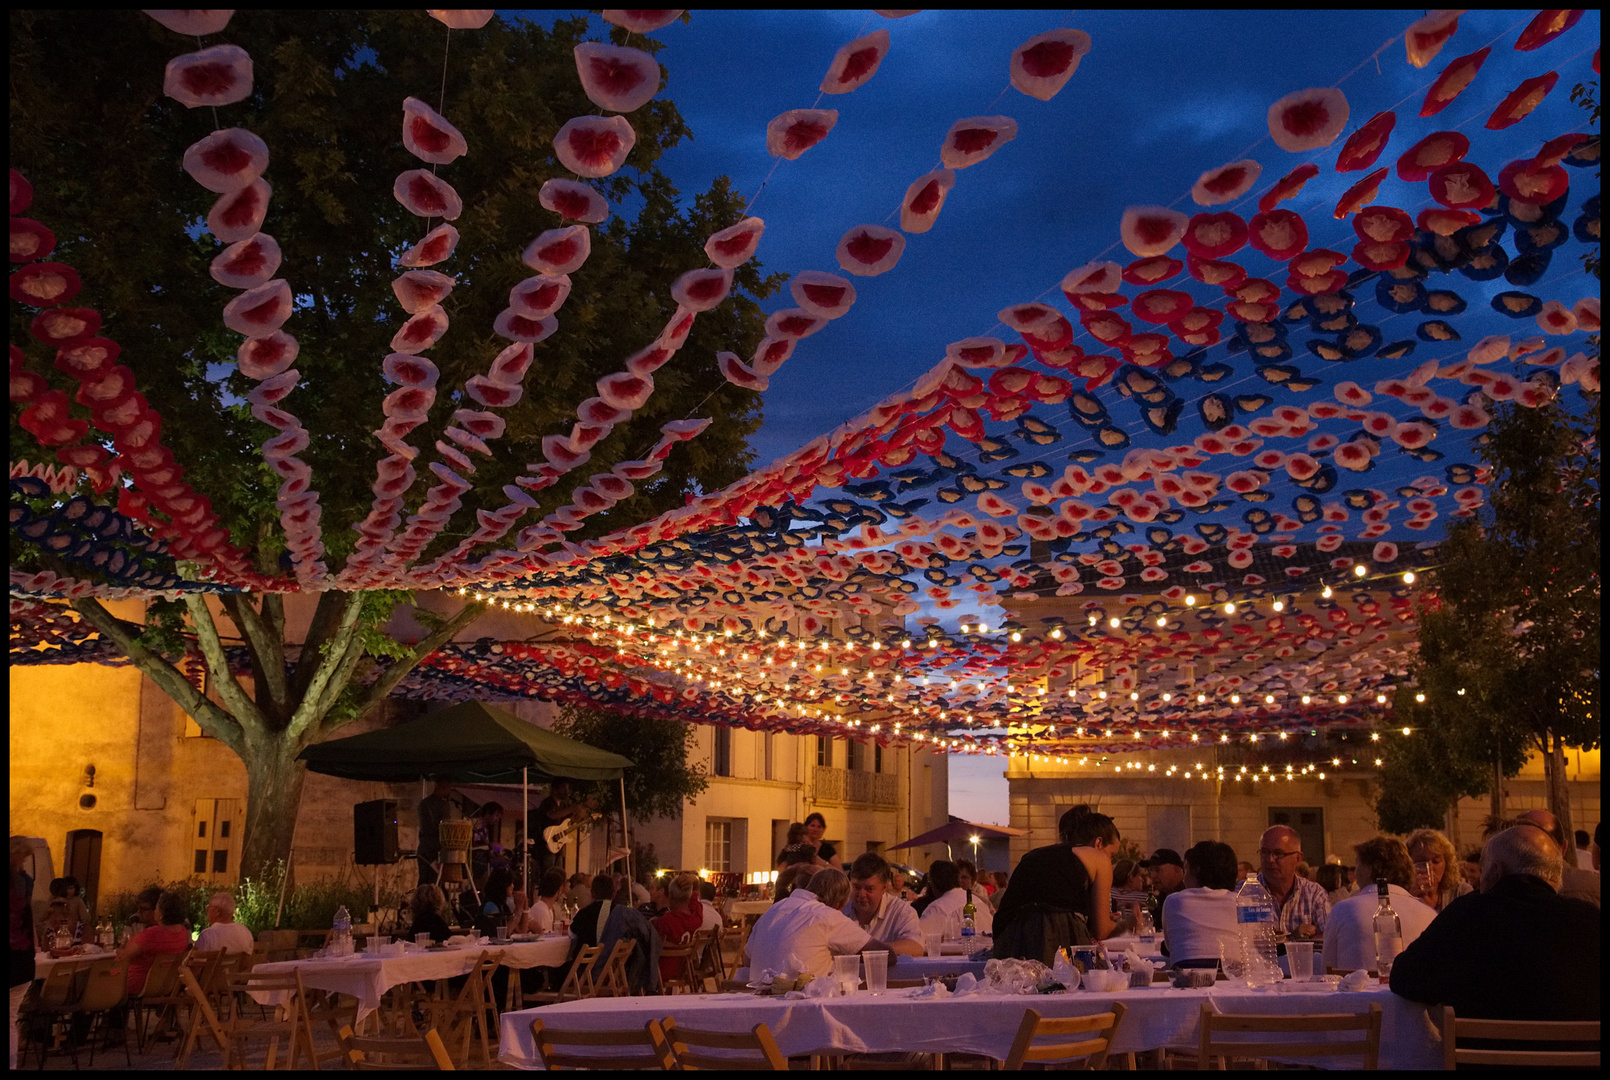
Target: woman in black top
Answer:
[[1060, 894], [826, 854], [429, 912]]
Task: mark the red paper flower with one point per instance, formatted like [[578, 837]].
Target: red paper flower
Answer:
[[855, 63], [924, 199], [869, 250], [1431, 153], [1279, 234], [404, 369], [45, 284], [248, 263], [1151, 230], [615, 77], [738, 373], [559, 251], [491, 394], [428, 136], [792, 133], [970, 141], [736, 244], [1226, 184], [1308, 119], [594, 146], [1531, 181], [464, 19], [1359, 194], [1381, 254], [1161, 305], [60, 326], [425, 195], [1042, 65], [1461, 185], [226, 160], [1365, 145], [1545, 27], [793, 324], [30, 240], [417, 290], [701, 290], [1452, 82], [540, 296], [625, 390], [1287, 186], [1426, 36], [265, 357], [827, 295], [1520, 102], [1214, 236], [1443, 222], [221, 75], [1153, 270], [516, 326], [259, 311], [239, 214], [1216, 272], [192, 23], [1096, 277]]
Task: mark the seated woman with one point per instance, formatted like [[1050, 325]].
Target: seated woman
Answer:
[[497, 903], [1350, 930], [428, 912], [1129, 893], [943, 899], [1200, 918], [682, 919], [169, 935]]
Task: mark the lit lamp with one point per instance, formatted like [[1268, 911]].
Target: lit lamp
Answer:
[[974, 841]]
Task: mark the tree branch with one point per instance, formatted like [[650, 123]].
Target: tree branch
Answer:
[[341, 639], [335, 687], [236, 700], [268, 650], [395, 674], [169, 679]]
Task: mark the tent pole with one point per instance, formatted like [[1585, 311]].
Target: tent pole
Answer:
[[626, 834], [525, 826]]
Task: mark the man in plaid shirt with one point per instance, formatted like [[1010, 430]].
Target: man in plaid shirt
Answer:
[[1301, 906]]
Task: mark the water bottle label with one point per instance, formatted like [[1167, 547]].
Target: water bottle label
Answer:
[[1254, 915]]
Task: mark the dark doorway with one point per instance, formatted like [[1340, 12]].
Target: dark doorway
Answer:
[[83, 861], [1309, 822]]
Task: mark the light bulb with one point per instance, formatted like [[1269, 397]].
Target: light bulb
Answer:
[[1307, 699], [1279, 606], [1229, 608], [1056, 634], [1325, 592], [1420, 697], [1408, 577], [1113, 622], [1269, 699], [1162, 620], [1201, 698], [1235, 699], [1133, 696], [1190, 601], [1360, 570], [1103, 695], [1016, 636], [1380, 699], [1341, 699]]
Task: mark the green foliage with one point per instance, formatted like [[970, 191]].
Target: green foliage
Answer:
[[663, 776], [310, 906], [1587, 96], [101, 144], [165, 628]]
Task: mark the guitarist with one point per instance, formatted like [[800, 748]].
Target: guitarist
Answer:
[[556, 809]]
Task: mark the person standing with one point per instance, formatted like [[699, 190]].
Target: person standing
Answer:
[[556, 809], [826, 854], [223, 932], [434, 808], [1060, 894], [1301, 906], [21, 932]]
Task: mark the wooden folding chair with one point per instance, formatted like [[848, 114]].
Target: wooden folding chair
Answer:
[[278, 944], [203, 1017], [105, 990], [684, 957], [732, 986], [612, 982], [1042, 1040], [1455, 1029], [710, 967], [409, 1052], [160, 994], [470, 1008], [288, 1020], [1210, 1048], [693, 1049], [578, 981], [632, 1048], [43, 1010]]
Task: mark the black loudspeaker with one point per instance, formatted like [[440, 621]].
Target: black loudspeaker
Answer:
[[374, 832]]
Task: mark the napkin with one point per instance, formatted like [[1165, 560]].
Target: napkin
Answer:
[[820, 988], [1136, 962], [1355, 981], [934, 989]]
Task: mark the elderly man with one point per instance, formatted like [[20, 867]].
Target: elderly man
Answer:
[[1575, 882], [875, 907], [1517, 950], [1301, 906], [223, 932], [806, 930]]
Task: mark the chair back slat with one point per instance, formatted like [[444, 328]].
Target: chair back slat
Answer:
[[692, 1048], [1037, 1038], [1211, 1048], [410, 1053], [57, 990], [637, 1048], [1455, 1030], [107, 986], [162, 978]]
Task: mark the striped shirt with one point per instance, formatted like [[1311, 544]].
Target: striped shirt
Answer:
[[1122, 898], [1306, 904]]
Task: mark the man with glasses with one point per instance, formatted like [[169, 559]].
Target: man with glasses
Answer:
[[1301, 906]]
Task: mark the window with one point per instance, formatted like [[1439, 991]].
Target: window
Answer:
[[854, 752], [768, 744], [877, 757], [824, 751], [717, 844], [723, 752]]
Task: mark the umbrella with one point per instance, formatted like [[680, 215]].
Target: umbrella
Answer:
[[958, 830]]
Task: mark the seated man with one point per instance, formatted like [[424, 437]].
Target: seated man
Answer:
[[1200, 917], [1516, 950], [588, 925], [1575, 882], [223, 932], [806, 930], [875, 907], [1350, 931]]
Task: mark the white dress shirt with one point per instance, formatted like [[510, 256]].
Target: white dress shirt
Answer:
[[895, 921], [950, 906], [800, 933], [1197, 921], [539, 917], [711, 918], [229, 936], [1350, 934]]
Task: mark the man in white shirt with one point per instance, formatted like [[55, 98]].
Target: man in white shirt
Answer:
[[805, 930], [1350, 933], [878, 911], [223, 932]]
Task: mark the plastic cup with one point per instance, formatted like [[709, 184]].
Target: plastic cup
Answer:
[[503, 933], [931, 941], [422, 940], [877, 971], [847, 970], [1301, 956]]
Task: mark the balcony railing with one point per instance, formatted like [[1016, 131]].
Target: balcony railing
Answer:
[[854, 787]]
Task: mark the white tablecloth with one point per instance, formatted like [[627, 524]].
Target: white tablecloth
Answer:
[[898, 1022], [367, 978], [917, 967], [737, 909], [43, 962]]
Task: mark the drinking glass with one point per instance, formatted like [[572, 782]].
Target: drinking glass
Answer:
[[877, 971], [1233, 962], [422, 940], [1300, 954], [503, 933], [847, 970], [931, 942]]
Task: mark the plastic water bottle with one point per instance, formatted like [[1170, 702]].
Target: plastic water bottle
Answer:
[[341, 935], [1255, 919]]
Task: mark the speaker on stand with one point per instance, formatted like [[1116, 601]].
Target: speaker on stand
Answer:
[[374, 840]]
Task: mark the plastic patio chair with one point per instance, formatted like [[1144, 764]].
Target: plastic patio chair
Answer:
[[105, 992]]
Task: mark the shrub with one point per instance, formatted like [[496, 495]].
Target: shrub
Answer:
[[310, 906]]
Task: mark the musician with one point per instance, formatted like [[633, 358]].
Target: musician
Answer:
[[556, 809], [484, 848], [441, 804]]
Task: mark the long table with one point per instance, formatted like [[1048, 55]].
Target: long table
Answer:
[[904, 1021], [367, 977]]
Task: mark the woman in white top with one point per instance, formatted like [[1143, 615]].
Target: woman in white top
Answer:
[[1350, 930], [1200, 918], [943, 899]]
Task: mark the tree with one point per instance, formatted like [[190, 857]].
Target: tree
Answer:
[[92, 131], [663, 776]]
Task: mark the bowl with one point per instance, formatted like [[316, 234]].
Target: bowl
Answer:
[[1105, 982]]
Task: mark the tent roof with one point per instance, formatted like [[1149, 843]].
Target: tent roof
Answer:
[[472, 742], [958, 830]]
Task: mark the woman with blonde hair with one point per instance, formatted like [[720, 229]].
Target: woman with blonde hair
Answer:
[[1437, 879]]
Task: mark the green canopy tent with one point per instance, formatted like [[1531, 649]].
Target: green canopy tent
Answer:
[[471, 742]]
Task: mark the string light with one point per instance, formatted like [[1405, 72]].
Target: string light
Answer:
[[1408, 577]]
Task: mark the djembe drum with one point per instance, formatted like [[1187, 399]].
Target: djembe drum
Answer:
[[455, 835]]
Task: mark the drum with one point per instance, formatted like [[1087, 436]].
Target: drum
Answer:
[[455, 835]]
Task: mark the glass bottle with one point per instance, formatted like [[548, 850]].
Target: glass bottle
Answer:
[[1388, 931], [969, 918]]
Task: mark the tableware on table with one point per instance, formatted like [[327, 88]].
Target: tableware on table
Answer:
[[847, 972], [422, 940], [1104, 981], [1193, 978], [1233, 963], [1140, 980], [1300, 954], [877, 972], [503, 933], [932, 942]]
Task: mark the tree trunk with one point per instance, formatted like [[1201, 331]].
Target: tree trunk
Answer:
[[1496, 794], [273, 796], [1559, 794]]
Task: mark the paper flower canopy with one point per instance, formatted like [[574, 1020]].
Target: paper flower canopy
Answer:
[[461, 19], [261, 358], [856, 63], [1308, 119], [559, 251], [192, 23], [615, 77], [1042, 65], [869, 250], [822, 294], [45, 284], [436, 246], [1453, 81], [540, 296], [1426, 36], [637, 21], [428, 136], [701, 290], [924, 199], [1545, 27], [514, 326], [1151, 230], [240, 214], [221, 75], [594, 146], [246, 263], [226, 160], [426, 195], [792, 133], [625, 390], [736, 244], [1431, 153], [740, 374], [970, 141], [1225, 184]]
